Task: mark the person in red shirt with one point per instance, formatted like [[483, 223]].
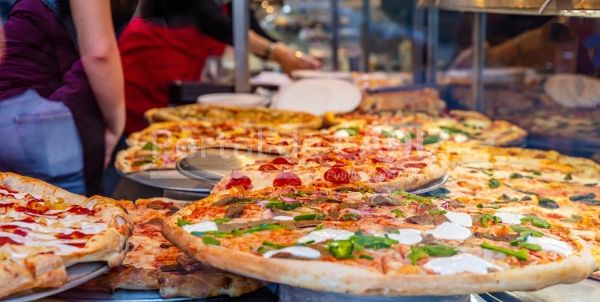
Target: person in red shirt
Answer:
[[171, 40]]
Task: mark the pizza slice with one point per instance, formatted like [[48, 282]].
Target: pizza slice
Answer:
[[153, 263], [44, 230]]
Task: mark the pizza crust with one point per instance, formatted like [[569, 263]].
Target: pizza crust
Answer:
[[335, 277]]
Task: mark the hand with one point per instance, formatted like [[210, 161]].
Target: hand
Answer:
[[110, 142], [291, 60]]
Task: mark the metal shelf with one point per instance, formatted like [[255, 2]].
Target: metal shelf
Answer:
[[572, 8]]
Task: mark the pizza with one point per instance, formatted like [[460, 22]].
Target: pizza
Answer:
[[379, 168], [44, 230], [421, 100], [153, 263], [257, 117], [161, 145], [457, 126], [562, 189], [385, 244]]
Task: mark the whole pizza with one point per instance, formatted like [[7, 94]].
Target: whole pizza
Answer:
[[365, 243]]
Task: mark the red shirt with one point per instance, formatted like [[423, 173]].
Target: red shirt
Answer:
[[153, 56]]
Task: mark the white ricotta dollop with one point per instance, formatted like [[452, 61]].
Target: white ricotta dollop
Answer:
[[444, 135], [379, 129], [326, 234], [461, 263], [450, 231], [398, 134], [298, 251], [202, 226], [283, 218], [509, 218], [461, 138], [553, 245], [406, 236], [459, 218], [341, 134]]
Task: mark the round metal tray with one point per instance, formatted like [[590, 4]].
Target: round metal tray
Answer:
[[210, 165], [78, 274], [169, 180]]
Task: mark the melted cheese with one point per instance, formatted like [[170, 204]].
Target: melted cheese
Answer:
[[552, 245], [462, 219], [325, 234], [341, 134], [461, 263], [284, 218], [407, 236], [298, 251], [509, 218], [202, 226], [450, 231]]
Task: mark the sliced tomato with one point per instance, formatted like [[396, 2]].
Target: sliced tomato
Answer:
[[79, 245], [337, 176], [7, 189], [6, 240], [285, 179], [73, 235], [20, 232], [6, 205], [239, 181]]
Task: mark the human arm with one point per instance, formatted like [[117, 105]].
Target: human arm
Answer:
[[102, 63]]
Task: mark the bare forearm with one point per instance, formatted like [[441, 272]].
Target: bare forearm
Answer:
[[100, 58]]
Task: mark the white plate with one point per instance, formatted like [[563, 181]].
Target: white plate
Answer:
[[318, 96], [317, 74], [78, 274], [233, 99]]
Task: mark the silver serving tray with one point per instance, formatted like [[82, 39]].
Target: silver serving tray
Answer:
[[169, 180], [210, 165], [78, 274]]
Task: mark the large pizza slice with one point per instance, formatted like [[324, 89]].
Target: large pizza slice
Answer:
[[378, 168], [44, 229], [365, 243], [255, 117], [153, 263]]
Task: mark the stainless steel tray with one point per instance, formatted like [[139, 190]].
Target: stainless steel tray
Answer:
[[586, 290], [152, 296], [169, 180], [210, 165], [78, 274]]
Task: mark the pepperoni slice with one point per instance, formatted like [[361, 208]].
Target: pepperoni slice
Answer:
[[383, 174], [415, 165], [287, 179], [281, 161], [80, 210], [20, 232], [6, 240], [74, 235], [337, 176], [239, 181], [267, 167]]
